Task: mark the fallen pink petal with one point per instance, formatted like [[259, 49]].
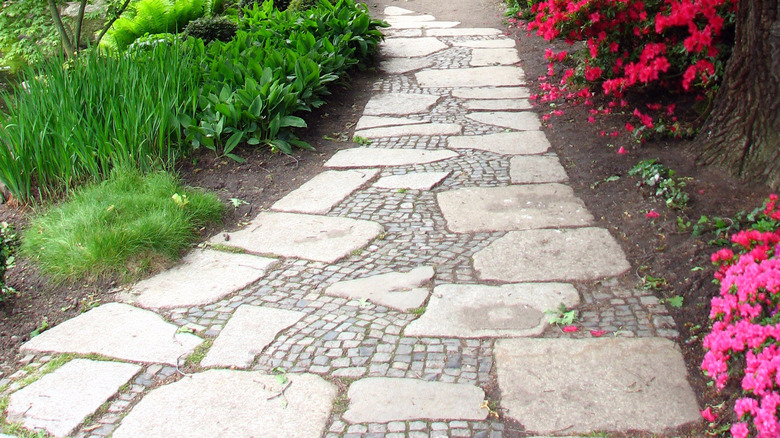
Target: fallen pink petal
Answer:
[[652, 214], [622, 151], [597, 333], [571, 329]]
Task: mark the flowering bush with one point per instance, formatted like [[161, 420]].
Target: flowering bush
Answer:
[[675, 44], [745, 336]]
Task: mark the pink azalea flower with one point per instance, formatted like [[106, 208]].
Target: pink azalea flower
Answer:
[[571, 329], [622, 151], [652, 214], [597, 333], [708, 415]]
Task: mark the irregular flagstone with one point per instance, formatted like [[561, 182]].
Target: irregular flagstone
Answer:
[[395, 10], [401, 33], [410, 18], [496, 76], [226, 403], [202, 277], [522, 121], [370, 157], [247, 333], [310, 237], [399, 290], [509, 143], [492, 93], [482, 57], [503, 43], [399, 104], [367, 122], [463, 31], [536, 169], [422, 129], [321, 193], [412, 181], [551, 255], [404, 65], [487, 209], [498, 104], [586, 385], [120, 331], [476, 311], [401, 24], [411, 47], [382, 399], [59, 402]]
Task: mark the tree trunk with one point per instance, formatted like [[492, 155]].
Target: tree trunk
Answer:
[[742, 134]]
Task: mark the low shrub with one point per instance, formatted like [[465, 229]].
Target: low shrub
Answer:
[[7, 249], [210, 29], [301, 5], [120, 228]]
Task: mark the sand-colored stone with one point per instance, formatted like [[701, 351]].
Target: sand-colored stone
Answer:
[[554, 386], [383, 399], [402, 24], [492, 93], [496, 76], [578, 254], [536, 169], [516, 207], [367, 122], [463, 31], [401, 33], [202, 277], [406, 18], [226, 403], [120, 331], [412, 181], [247, 333], [502, 43], [395, 11], [520, 121], [371, 157], [501, 56], [507, 143], [397, 66], [311, 237], [422, 129], [497, 105], [477, 311], [323, 192], [399, 290], [59, 402], [398, 104], [411, 47]]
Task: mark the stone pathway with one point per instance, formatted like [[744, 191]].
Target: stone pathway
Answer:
[[401, 293]]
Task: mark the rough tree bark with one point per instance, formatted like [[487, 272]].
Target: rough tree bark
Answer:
[[742, 134]]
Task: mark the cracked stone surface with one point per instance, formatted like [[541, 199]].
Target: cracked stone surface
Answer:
[[399, 104], [491, 93], [120, 331], [60, 401], [552, 255], [310, 237], [202, 277], [197, 407], [537, 169], [519, 207], [421, 129], [493, 56], [476, 311], [496, 76], [321, 193], [581, 385], [508, 143], [369, 157], [410, 47], [247, 333], [399, 290], [412, 181], [521, 121], [380, 400]]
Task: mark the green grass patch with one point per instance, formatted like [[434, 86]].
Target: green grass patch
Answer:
[[121, 228]]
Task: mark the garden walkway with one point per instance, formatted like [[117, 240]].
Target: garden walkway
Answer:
[[401, 293]]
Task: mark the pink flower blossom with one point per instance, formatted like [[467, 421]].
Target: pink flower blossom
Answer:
[[708, 415], [622, 151], [597, 333], [570, 329], [652, 214]]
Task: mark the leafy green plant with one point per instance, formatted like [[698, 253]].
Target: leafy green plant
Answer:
[[120, 228], [301, 5], [7, 248], [361, 140], [674, 301], [654, 283], [40, 328], [561, 316], [662, 181], [212, 28], [151, 17]]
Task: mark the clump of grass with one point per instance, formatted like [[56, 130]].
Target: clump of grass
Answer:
[[120, 228]]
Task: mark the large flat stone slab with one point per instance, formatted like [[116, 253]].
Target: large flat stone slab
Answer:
[[382, 399], [399, 290], [247, 333], [367, 122], [422, 129], [401, 33], [497, 105], [399, 104], [476, 311], [398, 66], [496, 76], [502, 43], [536, 169], [492, 93], [395, 11], [371, 157], [552, 255], [411, 47], [521, 121], [412, 181], [59, 402], [120, 331], [202, 277], [402, 23], [323, 192], [310, 237], [487, 209], [501, 56], [554, 386], [507, 143], [226, 403], [464, 31], [410, 18]]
